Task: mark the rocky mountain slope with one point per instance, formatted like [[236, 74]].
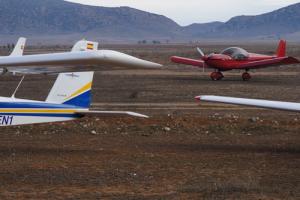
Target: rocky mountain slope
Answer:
[[61, 20]]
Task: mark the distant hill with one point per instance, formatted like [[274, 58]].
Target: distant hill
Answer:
[[48, 17], [203, 30], [61, 21], [276, 23]]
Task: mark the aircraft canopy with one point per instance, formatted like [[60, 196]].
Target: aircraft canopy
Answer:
[[236, 53]]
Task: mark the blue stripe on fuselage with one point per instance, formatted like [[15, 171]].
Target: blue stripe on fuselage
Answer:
[[42, 115], [34, 105]]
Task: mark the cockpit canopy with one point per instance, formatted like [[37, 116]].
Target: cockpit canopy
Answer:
[[236, 53]]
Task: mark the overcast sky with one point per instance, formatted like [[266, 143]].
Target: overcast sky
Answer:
[[192, 11]]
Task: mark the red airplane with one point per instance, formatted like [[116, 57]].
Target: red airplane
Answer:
[[238, 58]]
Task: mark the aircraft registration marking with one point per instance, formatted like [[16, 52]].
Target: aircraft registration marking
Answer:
[[6, 120]]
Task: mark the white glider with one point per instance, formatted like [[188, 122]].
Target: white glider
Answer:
[[69, 99], [83, 54], [278, 105]]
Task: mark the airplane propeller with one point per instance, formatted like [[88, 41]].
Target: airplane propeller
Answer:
[[203, 57], [200, 52]]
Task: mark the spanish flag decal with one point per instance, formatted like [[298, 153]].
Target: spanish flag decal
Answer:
[[90, 46]]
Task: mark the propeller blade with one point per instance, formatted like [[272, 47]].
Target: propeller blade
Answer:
[[200, 52]]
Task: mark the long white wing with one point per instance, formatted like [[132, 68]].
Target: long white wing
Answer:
[[112, 113], [80, 58], [279, 105], [52, 70]]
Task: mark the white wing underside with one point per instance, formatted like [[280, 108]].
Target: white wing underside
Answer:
[[278, 105], [53, 70], [71, 61], [112, 113]]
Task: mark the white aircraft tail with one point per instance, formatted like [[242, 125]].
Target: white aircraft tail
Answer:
[[72, 89], [19, 48], [84, 45]]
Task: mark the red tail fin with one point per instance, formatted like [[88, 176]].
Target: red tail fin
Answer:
[[281, 51]]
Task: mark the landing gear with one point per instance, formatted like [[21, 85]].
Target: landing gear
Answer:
[[216, 76], [246, 76], [4, 71]]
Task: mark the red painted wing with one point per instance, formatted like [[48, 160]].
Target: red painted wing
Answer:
[[270, 62], [188, 61]]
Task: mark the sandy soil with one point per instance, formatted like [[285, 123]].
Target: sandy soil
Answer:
[[186, 150]]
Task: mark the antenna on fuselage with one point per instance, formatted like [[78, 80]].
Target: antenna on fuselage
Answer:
[[16, 90]]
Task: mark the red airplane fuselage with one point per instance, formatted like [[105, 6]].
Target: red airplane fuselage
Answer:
[[224, 62], [238, 58]]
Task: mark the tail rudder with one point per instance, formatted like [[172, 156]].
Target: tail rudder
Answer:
[[19, 48], [281, 50], [84, 45], [72, 89]]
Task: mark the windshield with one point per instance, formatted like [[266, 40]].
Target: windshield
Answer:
[[236, 53]]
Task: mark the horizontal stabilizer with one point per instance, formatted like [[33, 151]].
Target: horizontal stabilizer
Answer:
[[112, 113], [270, 62], [279, 105]]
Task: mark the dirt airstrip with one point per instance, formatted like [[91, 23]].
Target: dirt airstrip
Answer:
[[186, 150]]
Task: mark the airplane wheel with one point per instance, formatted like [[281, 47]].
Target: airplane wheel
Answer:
[[4, 71], [216, 76], [246, 76]]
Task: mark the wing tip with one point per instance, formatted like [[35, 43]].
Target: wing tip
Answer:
[[134, 114], [124, 59], [198, 98], [205, 98]]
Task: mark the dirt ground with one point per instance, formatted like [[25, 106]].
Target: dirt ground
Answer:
[[186, 150]]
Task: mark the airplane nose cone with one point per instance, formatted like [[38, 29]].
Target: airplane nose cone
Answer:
[[205, 58]]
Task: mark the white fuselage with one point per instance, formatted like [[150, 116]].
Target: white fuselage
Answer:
[[21, 111]]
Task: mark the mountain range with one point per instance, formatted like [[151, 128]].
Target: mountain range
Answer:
[[58, 20]]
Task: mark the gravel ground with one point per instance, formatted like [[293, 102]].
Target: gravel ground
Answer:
[[186, 150]]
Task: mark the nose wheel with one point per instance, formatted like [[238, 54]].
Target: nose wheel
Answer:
[[246, 76], [216, 76]]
